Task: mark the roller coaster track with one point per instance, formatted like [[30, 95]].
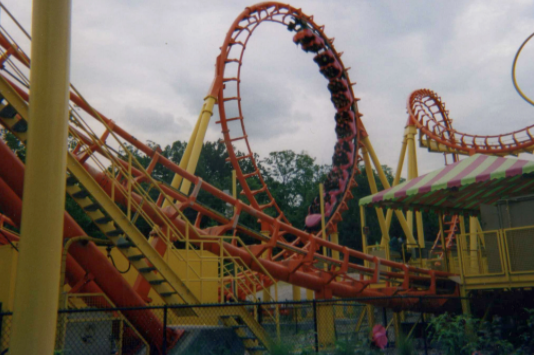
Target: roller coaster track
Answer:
[[106, 160], [427, 112], [227, 87]]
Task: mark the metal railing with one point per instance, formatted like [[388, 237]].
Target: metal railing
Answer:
[[503, 252], [85, 326]]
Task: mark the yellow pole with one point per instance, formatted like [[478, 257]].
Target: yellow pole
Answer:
[[334, 238], [374, 190], [323, 228], [234, 186], [363, 231], [412, 161], [205, 115], [297, 298], [37, 284], [473, 242], [400, 216], [413, 172], [177, 179], [396, 180], [266, 291], [397, 327], [460, 239]]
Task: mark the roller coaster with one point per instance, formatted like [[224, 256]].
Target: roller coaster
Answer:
[[107, 181]]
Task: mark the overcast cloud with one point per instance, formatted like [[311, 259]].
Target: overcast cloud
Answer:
[[148, 65]]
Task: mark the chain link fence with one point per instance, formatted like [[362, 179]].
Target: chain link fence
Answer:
[[90, 325]]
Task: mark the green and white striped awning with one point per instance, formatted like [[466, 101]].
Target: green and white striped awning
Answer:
[[460, 187]]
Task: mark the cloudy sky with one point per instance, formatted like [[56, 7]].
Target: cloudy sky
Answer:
[[148, 65]]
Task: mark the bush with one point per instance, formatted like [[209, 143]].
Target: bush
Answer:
[[463, 335]]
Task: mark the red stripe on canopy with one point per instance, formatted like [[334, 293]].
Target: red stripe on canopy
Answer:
[[457, 180]]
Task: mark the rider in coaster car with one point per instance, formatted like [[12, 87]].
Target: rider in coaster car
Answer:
[[315, 206], [332, 70], [343, 155], [342, 100], [345, 116], [344, 130], [304, 36], [324, 58], [335, 187], [310, 41], [314, 46], [337, 85], [331, 183], [329, 204]]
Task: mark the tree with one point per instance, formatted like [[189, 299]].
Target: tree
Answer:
[[293, 180]]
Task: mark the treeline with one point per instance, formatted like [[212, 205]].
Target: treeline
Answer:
[[293, 180]]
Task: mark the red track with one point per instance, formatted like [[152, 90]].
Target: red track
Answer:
[[299, 263], [428, 113]]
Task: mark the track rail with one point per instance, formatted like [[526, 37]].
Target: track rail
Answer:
[[298, 263], [427, 112], [227, 88]]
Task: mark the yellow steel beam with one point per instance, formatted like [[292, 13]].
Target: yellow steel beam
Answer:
[[36, 290], [177, 179], [334, 238], [323, 228], [397, 177], [413, 172], [374, 190], [400, 216], [205, 115], [473, 240]]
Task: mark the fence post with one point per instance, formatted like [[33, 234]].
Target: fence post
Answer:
[[260, 313], [164, 345], [385, 316], [296, 317], [423, 323], [314, 303]]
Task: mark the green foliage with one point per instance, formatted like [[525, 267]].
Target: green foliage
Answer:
[[293, 179], [405, 346], [490, 340], [527, 334], [464, 334], [281, 348], [15, 145], [449, 332], [355, 346]]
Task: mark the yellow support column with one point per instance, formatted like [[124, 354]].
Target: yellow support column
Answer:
[[397, 327], [323, 228], [266, 294], [466, 306], [413, 172], [205, 115], [192, 151], [37, 285], [396, 180], [400, 216], [326, 323], [297, 298], [374, 190], [177, 179], [473, 242]]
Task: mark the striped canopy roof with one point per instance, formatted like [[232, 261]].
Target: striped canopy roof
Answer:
[[460, 187]]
